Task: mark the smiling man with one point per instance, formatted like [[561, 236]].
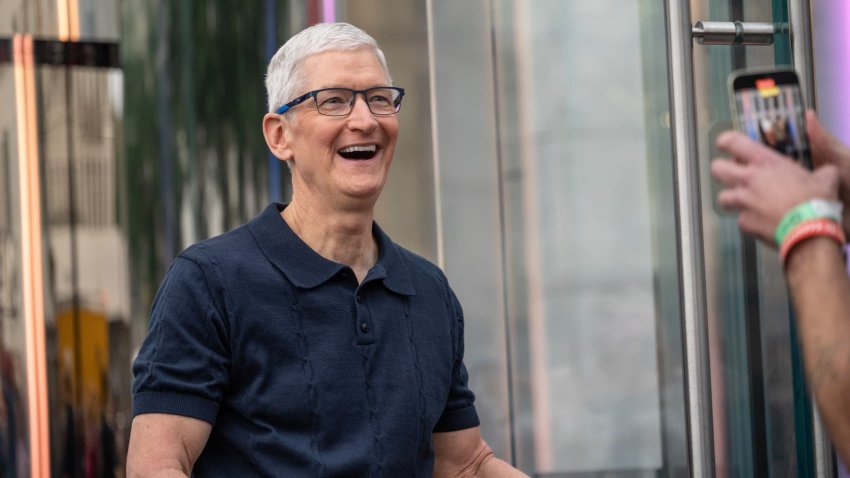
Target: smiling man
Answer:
[[306, 342]]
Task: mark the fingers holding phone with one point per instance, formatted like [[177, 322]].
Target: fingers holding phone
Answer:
[[827, 149], [772, 157], [763, 185]]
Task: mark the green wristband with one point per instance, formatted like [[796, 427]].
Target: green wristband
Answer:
[[811, 209]]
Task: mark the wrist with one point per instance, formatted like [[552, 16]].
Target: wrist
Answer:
[[808, 229], [809, 256]]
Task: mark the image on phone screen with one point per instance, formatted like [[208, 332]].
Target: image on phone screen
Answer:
[[769, 108]]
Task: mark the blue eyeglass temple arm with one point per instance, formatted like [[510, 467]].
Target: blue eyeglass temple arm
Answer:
[[283, 109]]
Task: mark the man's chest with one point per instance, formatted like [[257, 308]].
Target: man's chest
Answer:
[[365, 358]]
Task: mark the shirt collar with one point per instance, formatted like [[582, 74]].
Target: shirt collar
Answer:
[[306, 269]]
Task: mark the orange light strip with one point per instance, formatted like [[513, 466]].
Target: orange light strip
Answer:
[[74, 19], [68, 16], [62, 18], [31, 253]]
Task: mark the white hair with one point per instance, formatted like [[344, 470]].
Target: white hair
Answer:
[[284, 78]]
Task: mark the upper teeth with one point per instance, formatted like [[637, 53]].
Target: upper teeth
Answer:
[[352, 149]]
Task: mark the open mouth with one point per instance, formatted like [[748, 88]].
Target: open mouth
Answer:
[[359, 152]]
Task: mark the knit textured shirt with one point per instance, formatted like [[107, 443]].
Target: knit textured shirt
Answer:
[[301, 370]]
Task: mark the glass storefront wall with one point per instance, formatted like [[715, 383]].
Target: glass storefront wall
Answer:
[[116, 208], [77, 98]]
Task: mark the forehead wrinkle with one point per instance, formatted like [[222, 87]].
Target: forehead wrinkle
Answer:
[[324, 64]]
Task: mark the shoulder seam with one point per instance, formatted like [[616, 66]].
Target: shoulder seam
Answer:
[[202, 249]]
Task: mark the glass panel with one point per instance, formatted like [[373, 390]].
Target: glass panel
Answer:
[[14, 459], [592, 278], [86, 288], [468, 202]]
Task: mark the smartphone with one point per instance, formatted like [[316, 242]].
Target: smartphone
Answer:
[[767, 106]]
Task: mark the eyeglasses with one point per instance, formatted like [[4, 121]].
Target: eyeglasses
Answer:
[[381, 100]]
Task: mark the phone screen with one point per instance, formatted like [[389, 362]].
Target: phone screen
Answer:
[[769, 108]]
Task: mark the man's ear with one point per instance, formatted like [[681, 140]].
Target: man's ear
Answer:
[[275, 131]]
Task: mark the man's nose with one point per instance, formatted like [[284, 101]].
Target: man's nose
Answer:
[[361, 116]]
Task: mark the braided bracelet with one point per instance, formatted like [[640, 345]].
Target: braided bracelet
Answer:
[[807, 229], [811, 209]]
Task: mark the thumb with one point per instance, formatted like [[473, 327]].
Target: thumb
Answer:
[[826, 148], [827, 177]]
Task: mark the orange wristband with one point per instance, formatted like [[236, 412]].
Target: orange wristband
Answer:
[[807, 229]]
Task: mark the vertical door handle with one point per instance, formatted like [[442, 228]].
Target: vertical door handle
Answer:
[[690, 238]]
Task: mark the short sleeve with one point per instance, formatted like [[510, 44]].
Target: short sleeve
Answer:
[[183, 365], [460, 412]]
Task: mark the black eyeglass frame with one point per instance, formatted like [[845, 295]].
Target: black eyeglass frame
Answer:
[[312, 94]]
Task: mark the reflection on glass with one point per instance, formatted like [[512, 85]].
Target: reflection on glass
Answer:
[[589, 219], [14, 457], [86, 287], [194, 160]]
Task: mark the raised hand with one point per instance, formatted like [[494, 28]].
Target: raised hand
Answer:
[[764, 185]]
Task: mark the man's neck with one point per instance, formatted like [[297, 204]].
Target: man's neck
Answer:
[[340, 236]]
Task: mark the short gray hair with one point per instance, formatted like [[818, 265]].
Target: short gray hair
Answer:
[[283, 78]]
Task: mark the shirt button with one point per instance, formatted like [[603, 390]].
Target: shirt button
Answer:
[[364, 327], [359, 299]]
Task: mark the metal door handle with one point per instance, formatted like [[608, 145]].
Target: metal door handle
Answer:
[[734, 33]]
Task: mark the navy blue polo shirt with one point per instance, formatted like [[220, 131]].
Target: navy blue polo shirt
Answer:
[[301, 370]]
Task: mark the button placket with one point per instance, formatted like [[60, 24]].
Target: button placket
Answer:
[[363, 321]]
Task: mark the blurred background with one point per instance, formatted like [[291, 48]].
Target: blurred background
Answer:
[[535, 165]]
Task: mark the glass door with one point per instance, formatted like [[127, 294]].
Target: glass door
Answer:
[[761, 414]]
